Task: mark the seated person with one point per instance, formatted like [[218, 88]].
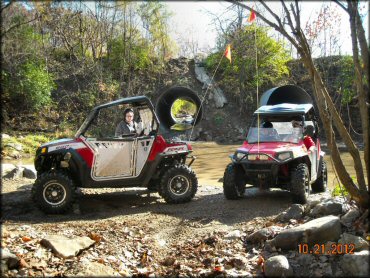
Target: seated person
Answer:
[[308, 133], [296, 124], [128, 125], [268, 130]]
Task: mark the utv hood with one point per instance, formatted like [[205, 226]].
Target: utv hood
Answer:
[[271, 148], [58, 142]]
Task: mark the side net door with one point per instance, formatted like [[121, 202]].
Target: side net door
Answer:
[[114, 158]]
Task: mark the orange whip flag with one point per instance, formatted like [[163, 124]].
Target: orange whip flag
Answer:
[[252, 16], [228, 52]]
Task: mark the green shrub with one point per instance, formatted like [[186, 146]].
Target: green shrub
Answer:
[[239, 76], [339, 190], [29, 142]]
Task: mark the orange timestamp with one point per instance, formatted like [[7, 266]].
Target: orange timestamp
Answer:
[[322, 249]]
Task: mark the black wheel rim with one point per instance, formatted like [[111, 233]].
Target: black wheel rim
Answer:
[[54, 193], [179, 185]]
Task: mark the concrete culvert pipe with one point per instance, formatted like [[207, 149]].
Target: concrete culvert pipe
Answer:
[[169, 109], [285, 94]]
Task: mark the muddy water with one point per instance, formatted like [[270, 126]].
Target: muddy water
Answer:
[[212, 159]]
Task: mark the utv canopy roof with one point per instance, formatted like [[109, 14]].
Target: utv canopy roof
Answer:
[[284, 109], [134, 101]]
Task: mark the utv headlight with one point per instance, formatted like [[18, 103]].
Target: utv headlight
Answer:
[[284, 156], [239, 156]]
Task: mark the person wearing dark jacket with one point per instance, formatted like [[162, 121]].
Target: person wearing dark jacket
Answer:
[[128, 125]]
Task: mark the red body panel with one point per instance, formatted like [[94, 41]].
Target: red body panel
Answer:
[[158, 146], [86, 153]]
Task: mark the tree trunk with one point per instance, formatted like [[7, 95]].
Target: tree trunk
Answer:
[[360, 196], [360, 84]]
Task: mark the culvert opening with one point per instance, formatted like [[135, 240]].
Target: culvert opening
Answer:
[[285, 94], [178, 106]]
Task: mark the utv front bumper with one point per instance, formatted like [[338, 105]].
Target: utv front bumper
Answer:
[[264, 173]]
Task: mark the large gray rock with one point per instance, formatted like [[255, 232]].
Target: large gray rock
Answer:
[[355, 265], [6, 168], [328, 207], [9, 259], [5, 136], [217, 94], [94, 269], [65, 247], [29, 172], [233, 235], [16, 173], [305, 259], [278, 266], [296, 211], [358, 242], [15, 146], [319, 230], [264, 234], [349, 217]]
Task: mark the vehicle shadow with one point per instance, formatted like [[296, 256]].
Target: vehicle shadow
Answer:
[[208, 205]]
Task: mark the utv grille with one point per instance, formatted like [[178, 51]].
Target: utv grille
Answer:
[[257, 167]]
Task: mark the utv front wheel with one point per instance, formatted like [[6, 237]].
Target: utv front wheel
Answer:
[[178, 184], [53, 192], [234, 186], [300, 184], [321, 183]]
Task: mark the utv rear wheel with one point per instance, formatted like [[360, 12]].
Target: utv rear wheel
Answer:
[[300, 184], [54, 192], [178, 184], [320, 184], [234, 185]]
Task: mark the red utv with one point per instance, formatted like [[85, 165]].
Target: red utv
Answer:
[[95, 158], [274, 153]]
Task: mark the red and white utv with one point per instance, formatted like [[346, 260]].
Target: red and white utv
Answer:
[[95, 158], [277, 155]]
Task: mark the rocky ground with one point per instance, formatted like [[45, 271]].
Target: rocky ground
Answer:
[[134, 233]]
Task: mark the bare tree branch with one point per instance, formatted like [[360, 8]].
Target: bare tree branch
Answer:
[[19, 24], [290, 22], [278, 28], [3, 7], [341, 5], [298, 15]]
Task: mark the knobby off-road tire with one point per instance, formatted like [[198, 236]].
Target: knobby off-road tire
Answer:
[[54, 192], [321, 183], [178, 184], [234, 185], [300, 184]]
